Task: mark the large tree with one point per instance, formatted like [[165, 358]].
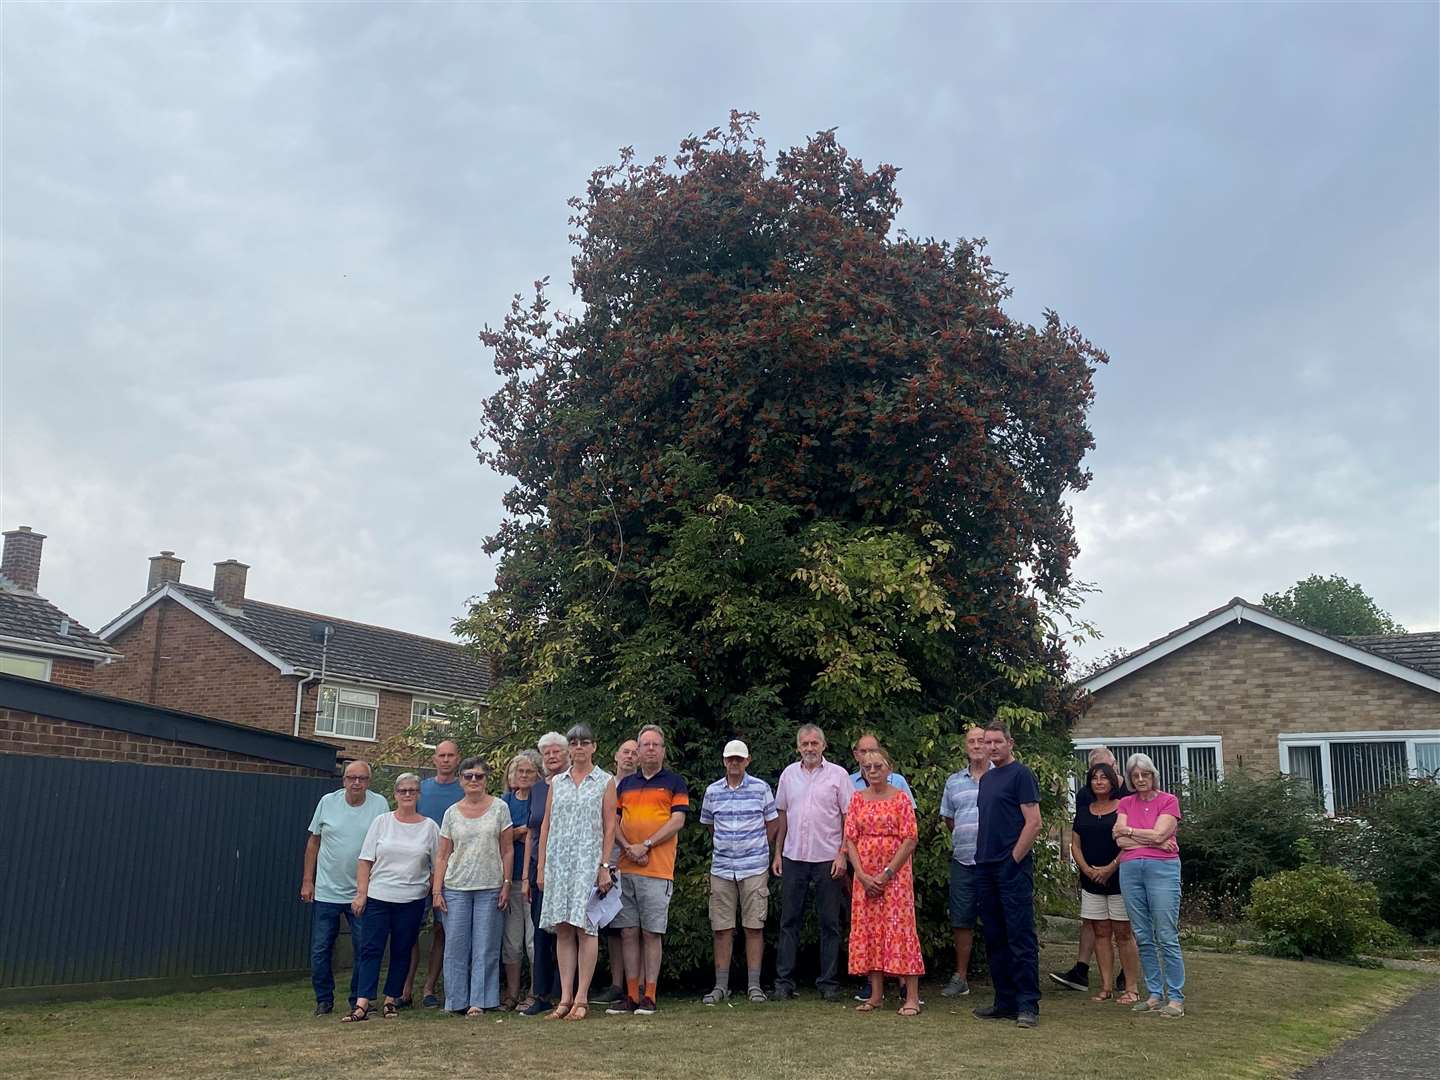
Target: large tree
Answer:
[[781, 464], [1332, 605]]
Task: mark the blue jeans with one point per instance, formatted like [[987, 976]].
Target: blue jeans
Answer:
[[324, 928], [1005, 895], [474, 929], [1151, 888], [397, 924], [544, 966]]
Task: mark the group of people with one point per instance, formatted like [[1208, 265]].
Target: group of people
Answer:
[[569, 852]]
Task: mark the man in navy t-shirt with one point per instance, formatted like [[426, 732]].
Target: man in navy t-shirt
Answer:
[[1009, 805]]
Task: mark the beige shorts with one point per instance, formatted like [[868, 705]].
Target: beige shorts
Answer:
[[519, 930], [1097, 907], [750, 895]]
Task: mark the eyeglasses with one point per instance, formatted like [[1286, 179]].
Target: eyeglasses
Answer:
[[407, 791], [357, 779], [472, 776]]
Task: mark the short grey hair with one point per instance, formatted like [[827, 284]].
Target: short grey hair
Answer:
[[1144, 763], [1099, 753], [810, 727], [551, 738], [579, 733], [656, 728], [406, 776], [358, 761], [526, 756]]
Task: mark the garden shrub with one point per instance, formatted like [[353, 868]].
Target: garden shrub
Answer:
[[1243, 828], [1399, 848], [1316, 911]]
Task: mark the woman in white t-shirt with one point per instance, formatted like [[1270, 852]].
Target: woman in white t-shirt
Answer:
[[392, 878], [472, 887]]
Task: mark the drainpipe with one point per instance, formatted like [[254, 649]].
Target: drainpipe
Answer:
[[300, 698]]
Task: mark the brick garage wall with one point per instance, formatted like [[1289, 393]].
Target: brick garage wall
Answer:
[[43, 736], [1250, 685], [73, 672]]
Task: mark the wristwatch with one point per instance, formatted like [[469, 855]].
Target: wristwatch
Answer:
[[647, 844]]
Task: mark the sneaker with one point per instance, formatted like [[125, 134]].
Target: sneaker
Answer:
[[1146, 1005], [862, 993], [1027, 1020], [956, 987], [538, 1007], [1171, 1010], [782, 993], [830, 995], [608, 996], [623, 1007], [715, 997], [645, 1008], [1119, 983], [323, 1008], [990, 1012], [1077, 978], [430, 1001]]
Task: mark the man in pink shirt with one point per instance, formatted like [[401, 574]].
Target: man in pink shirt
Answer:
[[812, 797]]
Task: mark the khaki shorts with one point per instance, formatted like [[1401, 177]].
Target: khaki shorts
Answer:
[[751, 896], [1098, 908]]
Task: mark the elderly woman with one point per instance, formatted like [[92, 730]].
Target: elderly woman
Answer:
[[392, 878], [520, 776], [880, 836], [545, 970], [578, 831], [472, 889], [1097, 857], [1145, 823]]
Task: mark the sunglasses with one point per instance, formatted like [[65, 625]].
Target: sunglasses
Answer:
[[407, 791], [473, 776]]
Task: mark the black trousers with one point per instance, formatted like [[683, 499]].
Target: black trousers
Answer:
[[796, 883], [1005, 894]]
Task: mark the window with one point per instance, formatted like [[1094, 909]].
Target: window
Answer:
[[1181, 761], [1346, 767], [347, 714], [28, 667], [432, 718]]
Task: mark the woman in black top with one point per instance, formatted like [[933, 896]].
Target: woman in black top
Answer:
[[1092, 844]]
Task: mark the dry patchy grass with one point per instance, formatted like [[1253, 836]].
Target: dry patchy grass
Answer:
[[1249, 1017]]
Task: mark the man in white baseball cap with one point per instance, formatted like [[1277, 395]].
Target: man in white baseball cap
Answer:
[[739, 810]]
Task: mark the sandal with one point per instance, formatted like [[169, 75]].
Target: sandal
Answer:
[[508, 1002], [909, 1010], [579, 1011], [756, 995], [356, 1015], [869, 1006], [390, 1011], [1129, 997], [406, 1001], [559, 1012], [473, 1011], [1103, 995]]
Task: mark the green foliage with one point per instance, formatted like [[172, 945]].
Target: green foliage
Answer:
[[1399, 850], [1317, 911], [1242, 828], [1331, 605], [782, 468]]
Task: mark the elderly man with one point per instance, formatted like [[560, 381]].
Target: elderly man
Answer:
[[1078, 977], [739, 811], [1009, 803], [812, 798], [627, 757], [870, 743], [337, 829], [960, 810], [437, 794], [545, 965], [652, 803]]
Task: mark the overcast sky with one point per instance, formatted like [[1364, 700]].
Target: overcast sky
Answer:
[[247, 251]]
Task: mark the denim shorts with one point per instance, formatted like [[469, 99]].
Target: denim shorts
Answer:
[[962, 896]]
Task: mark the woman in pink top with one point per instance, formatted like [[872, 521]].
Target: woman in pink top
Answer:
[[1150, 883]]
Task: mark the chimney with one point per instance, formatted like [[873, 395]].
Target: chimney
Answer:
[[230, 582], [21, 560], [164, 568]]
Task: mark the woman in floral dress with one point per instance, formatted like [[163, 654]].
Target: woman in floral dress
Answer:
[[880, 836], [578, 830]]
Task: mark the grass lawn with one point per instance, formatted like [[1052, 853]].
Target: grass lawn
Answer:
[[1250, 1017]]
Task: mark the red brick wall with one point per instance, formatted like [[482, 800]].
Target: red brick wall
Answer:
[[1250, 685], [72, 672], [27, 733]]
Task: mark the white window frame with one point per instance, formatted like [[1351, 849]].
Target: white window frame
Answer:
[[1185, 742], [420, 699], [31, 658], [1323, 739], [341, 688]]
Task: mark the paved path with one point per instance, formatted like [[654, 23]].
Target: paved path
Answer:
[[1402, 1045]]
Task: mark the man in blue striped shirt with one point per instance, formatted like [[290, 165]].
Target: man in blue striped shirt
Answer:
[[739, 810]]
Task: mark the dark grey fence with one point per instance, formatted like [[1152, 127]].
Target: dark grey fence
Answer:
[[113, 872]]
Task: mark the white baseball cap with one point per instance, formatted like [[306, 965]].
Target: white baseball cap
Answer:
[[735, 748]]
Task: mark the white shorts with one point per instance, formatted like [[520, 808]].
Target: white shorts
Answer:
[[1097, 907]]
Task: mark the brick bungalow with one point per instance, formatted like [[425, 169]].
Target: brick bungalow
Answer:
[[37, 639], [1241, 687], [219, 653]]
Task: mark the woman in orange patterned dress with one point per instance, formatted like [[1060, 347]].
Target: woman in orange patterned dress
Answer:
[[880, 836]]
